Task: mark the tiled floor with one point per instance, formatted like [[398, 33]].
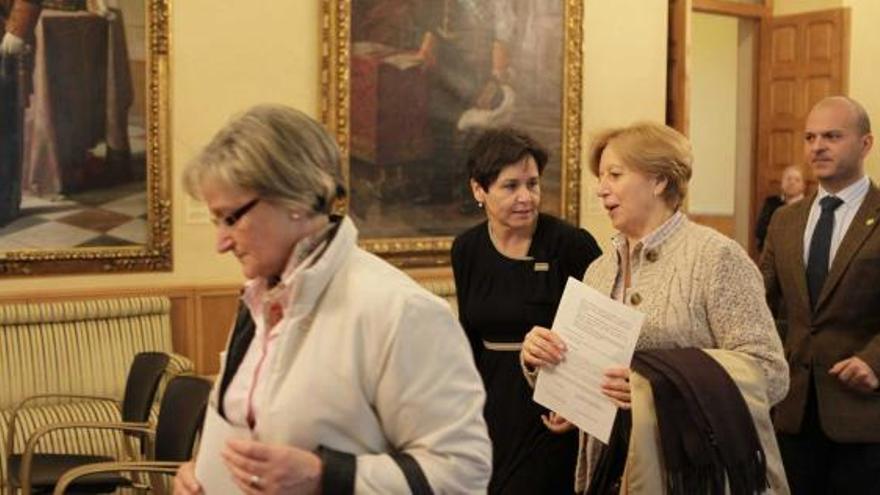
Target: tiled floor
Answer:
[[109, 217]]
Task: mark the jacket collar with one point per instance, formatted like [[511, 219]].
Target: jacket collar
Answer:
[[311, 281], [795, 244]]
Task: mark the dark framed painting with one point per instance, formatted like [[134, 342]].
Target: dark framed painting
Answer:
[[408, 84], [85, 158]]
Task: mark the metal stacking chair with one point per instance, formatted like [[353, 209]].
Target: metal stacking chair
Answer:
[[34, 471], [180, 417]]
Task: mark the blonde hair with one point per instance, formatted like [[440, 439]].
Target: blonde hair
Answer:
[[652, 149], [275, 151]]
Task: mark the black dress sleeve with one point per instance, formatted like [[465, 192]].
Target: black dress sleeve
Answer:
[[461, 273], [580, 250]]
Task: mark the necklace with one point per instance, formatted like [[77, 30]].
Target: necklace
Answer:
[[497, 245]]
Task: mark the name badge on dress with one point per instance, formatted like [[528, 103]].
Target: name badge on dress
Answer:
[[542, 266]]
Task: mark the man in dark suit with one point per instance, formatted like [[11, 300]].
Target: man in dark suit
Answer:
[[822, 260]]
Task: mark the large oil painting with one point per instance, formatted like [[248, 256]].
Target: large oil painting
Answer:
[[409, 84], [84, 152]]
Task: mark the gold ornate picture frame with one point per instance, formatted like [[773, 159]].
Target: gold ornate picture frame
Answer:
[[407, 84], [95, 193]]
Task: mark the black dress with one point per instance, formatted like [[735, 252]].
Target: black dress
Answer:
[[499, 300]]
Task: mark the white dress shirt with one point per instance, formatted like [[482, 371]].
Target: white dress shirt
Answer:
[[852, 197]]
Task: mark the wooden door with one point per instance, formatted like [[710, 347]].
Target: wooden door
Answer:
[[677, 73], [804, 58]]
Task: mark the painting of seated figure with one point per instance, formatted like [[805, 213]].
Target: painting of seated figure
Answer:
[[424, 78]]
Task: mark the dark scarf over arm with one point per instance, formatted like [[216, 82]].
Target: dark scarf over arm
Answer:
[[707, 433]]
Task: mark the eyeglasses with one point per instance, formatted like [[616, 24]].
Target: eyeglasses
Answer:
[[231, 219]]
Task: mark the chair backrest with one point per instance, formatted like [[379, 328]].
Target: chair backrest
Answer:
[[143, 380], [180, 417], [82, 347]]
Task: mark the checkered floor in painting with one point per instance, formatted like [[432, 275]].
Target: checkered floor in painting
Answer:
[[115, 216], [109, 217]]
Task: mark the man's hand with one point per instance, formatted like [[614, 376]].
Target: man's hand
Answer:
[[856, 374]]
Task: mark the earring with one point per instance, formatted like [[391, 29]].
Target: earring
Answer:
[[295, 216], [480, 205]]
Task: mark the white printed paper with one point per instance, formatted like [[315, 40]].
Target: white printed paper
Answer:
[[599, 333], [211, 472]]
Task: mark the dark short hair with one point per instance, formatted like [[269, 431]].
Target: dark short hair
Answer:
[[498, 148]]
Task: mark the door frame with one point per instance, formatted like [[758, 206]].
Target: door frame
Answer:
[[678, 63]]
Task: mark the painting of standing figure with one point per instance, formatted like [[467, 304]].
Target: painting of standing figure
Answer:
[[425, 77], [82, 172]]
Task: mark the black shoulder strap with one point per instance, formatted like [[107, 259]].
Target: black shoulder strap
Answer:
[[415, 477]]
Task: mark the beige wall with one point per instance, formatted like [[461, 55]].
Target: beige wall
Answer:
[[713, 122], [864, 78], [624, 81], [229, 55]]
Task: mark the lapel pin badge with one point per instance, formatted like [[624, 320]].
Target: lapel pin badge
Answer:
[[869, 222], [541, 266]]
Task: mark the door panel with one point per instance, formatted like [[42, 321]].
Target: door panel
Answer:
[[803, 59]]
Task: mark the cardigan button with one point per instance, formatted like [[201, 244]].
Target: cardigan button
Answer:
[[652, 255], [635, 299]]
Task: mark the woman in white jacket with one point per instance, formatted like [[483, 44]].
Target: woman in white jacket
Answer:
[[351, 377]]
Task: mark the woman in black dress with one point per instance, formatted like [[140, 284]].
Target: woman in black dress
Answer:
[[509, 274]]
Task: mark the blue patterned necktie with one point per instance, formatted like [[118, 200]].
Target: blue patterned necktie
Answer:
[[820, 248]]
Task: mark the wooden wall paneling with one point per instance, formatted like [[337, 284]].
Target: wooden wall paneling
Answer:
[[725, 224], [215, 314], [183, 323], [199, 315]]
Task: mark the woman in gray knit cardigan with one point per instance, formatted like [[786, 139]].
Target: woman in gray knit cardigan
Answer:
[[696, 287]]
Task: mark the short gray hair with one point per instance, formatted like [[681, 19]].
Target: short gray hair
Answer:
[[275, 151]]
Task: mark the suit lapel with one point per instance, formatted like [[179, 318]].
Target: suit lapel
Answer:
[[862, 225], [795, 244]]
